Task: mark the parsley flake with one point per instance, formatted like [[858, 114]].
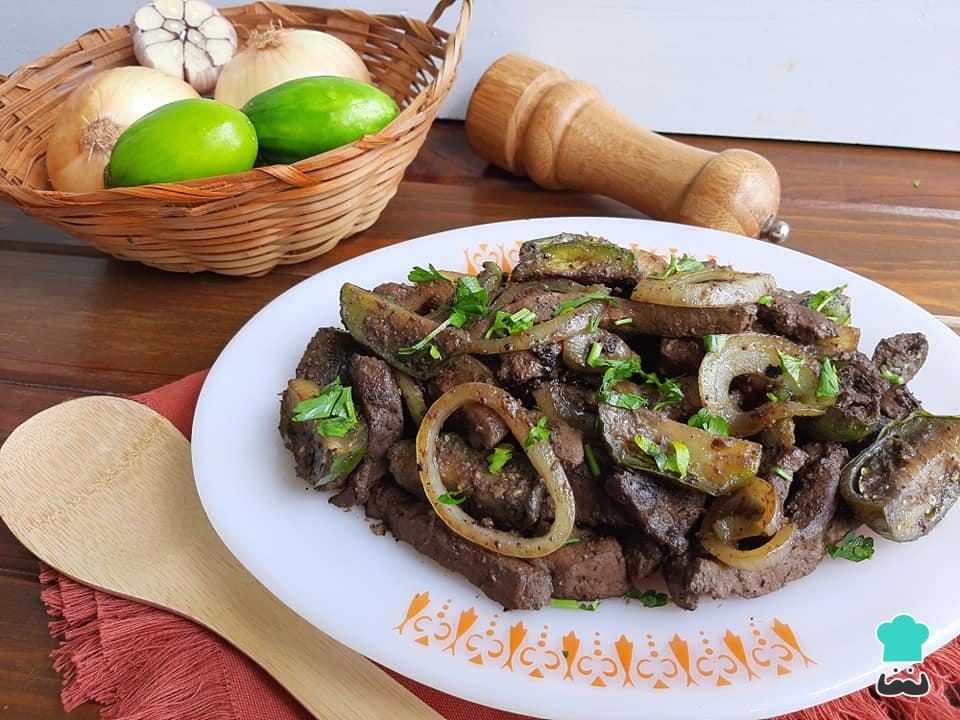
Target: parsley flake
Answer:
[[649, 598], [591, 459], [572, 541], [677, 265], [828, 385], [617, 370], [500, 456], [570, 305], [785, 474], [764, 299], [333, 409], [506, 324], [891, 376], [830, 304], [538, 433], [454, 497], [676, 459], [419, 275], [470, 300], [574, 604], [714, 343], [623, 321], [853, 547], [791, 366], [713, 424]]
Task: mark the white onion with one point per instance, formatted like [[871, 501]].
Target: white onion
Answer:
[[94, 116], [767, 555], [278, 55], [720, 287]]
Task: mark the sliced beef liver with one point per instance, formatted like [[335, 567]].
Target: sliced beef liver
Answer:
[[902, 354], [789, 316], [789, 459], [681, 356], [514, 498], [677, 322], [419, 298], [595, 508], [897, 402], [587, 570], [481, 425], [665, 511], [813, 497], [327, 356], [515, 584], [642, 557]]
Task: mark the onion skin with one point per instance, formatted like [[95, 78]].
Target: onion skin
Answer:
[[751, 511], [768, 554], [721, 287], [279, 55], [540, 454], [575, 322], [753, 353], [92, 119]]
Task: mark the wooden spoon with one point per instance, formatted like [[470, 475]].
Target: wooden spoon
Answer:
[[102, 490]]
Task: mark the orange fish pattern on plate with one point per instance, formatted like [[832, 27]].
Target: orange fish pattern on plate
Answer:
[[760, 650], [506, 255]]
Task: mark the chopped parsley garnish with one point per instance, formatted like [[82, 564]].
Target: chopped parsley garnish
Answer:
[[713, 424], [572, 541], [454, 497], [333, 410], [538, 433], [419, 275], [677, 265], [499, 457], [830, 304], [618, 370], [574, 604], [506, 324], [470, 300], [570, 305], [591, 460], [675, 459], [828, 385], [853, 547], [772, 397], [785, 474], [649, 598], [891, 376], [594, 324], [714, 343], [764, 299], [791, 366], [623, 321]]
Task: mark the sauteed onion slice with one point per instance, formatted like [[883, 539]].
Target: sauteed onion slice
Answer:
[[541, 457], [720, 287]]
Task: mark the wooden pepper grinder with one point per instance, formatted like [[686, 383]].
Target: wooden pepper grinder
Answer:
[[532, 119]]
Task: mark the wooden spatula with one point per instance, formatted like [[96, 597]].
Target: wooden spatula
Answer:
[[102, 490]]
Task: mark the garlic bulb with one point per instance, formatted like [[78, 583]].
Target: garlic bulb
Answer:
[[184, 38], [278, 55], [93, 117]]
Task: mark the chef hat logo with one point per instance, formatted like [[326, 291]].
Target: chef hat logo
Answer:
[[903, 639]]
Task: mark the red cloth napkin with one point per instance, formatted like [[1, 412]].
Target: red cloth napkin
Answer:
[[141, 663]]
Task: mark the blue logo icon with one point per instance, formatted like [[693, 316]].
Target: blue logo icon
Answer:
[[903, 639]]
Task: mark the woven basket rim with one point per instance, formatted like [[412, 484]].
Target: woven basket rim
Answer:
[[217, 187]]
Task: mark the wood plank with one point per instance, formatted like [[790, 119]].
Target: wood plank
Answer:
[[29, 687]]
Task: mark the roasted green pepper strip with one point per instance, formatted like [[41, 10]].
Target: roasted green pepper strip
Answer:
[[582, 258], [903, 484], [385, 327], [717, 465]]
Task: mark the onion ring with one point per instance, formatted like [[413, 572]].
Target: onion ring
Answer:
[[752, 354], [770, 553], [721, 287], [751, 511], [541, 457], [546, 333]]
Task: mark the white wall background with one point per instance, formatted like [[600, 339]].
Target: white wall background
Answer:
[[883, 72]]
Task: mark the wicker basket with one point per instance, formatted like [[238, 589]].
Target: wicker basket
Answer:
[[243, 224]]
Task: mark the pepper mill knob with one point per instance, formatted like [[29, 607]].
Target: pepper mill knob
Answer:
[[531, 119]]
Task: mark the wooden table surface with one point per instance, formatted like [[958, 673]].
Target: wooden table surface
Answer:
[[75, 322]]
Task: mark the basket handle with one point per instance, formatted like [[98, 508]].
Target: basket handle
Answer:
[[438, 11]]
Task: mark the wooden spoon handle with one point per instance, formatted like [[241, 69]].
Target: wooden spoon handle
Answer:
[[530, 118]]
